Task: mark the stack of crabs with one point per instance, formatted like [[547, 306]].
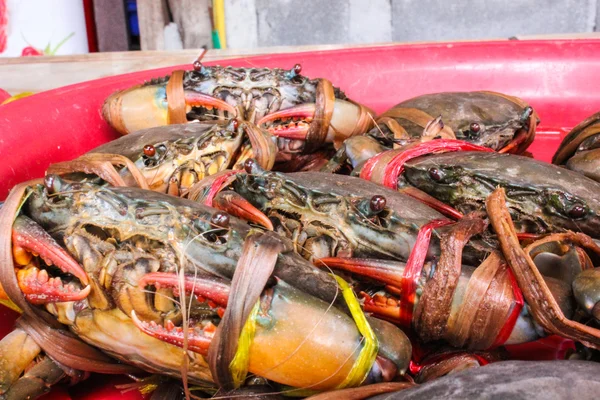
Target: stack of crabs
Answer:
[[256, 231]]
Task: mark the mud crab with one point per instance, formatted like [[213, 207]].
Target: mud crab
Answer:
[[495, 120], [542, 197], [125, 252], [171, 159], [304, 114]]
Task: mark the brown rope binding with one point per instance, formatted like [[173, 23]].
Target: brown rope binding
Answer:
[[319, 127], [176, 99], [486, 305], [543, 306], [394, 126], [433, 310], [253, 270], [101, 165], [417, 117]]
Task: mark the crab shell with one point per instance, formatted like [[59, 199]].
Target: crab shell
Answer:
[[485, 118], [579, 149]]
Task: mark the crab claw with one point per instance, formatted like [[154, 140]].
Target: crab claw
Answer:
[[210, 288], [382, 306], [389, 272], [198, 338], [299, 119], [236, 205], [147, 106], [28, 235], [39, 288], [328, 120]]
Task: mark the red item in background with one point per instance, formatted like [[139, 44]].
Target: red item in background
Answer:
[[549, 348], [31, 51], [90, 25], [3, 25]]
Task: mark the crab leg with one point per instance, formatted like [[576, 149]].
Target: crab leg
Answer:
[[39, 288], [17, 350], [196, 99], [36, 381], [29, 237], [385, 271]]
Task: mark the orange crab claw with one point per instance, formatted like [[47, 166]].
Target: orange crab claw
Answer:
[[39, 288], [236, 205], [389, 272], [198, 340], [298, 119], [206, 287], [147, 106], [28, 235]]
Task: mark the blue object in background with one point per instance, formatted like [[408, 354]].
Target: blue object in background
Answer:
[[131, 8]]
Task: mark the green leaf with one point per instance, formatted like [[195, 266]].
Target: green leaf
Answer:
[[58, 46]]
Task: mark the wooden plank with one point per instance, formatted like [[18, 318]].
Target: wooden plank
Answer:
[[36, 74], [153, 15]]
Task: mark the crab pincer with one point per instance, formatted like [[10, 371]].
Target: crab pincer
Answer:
[[39, 288]]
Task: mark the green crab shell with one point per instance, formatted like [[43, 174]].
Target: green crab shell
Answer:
[[542, 197]]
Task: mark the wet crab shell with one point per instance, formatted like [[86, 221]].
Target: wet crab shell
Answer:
[[579, 149], [485, 118]]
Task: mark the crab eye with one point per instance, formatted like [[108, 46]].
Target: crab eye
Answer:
[[474, 127], [436, 174], [297, 69], [577, 211], [377, 203], [249, 165], [149, 150], [220, 219]]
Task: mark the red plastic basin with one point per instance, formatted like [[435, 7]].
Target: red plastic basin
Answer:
[[558, 78]]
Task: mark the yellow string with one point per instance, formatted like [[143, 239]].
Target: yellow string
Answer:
[[239, 365], [367, 355], [363, 364], [9, 304]]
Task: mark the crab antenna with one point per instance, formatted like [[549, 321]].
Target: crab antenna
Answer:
[[198, 62]]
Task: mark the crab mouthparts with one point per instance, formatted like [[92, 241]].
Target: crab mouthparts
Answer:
[[291, 123]]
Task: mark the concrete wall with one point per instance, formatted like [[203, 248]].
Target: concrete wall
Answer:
[[256, 23]]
